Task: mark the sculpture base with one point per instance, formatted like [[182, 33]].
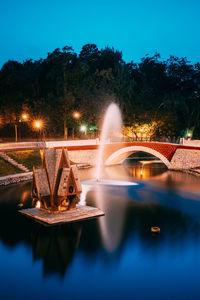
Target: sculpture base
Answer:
[[49, 218]]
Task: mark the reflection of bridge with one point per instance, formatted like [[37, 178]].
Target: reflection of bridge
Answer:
[[174, 156]]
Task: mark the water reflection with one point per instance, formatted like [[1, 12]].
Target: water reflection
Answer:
[[114, 205], [167, 201], [55, 246], [144, 169], [136, 209]]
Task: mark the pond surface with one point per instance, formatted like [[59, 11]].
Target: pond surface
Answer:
[[115, 256]]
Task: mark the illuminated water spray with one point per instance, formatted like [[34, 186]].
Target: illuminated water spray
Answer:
[[111, 131]]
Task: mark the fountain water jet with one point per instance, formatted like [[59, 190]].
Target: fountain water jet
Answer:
[[111, 130]]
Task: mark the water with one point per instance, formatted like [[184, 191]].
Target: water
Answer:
[[114, 256], [111, 131]]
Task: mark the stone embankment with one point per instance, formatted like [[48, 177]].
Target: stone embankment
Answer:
[[16, 178], [185, 159], [195, 172]]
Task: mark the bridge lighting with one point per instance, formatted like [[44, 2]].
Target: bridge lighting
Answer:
[[141, 170]]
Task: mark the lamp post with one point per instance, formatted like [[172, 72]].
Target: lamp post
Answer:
[[37, 124], [16, 130], [23, 118], [76, 115]]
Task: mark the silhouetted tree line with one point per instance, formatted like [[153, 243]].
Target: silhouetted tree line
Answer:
[[152, 90]]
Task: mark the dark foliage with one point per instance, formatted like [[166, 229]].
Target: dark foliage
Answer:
[[53, 88]]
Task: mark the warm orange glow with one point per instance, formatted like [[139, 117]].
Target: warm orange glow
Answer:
[[38, 204], [76, 115], [25, 117], [37, 124]]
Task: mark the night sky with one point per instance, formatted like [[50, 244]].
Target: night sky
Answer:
[[31, 29]]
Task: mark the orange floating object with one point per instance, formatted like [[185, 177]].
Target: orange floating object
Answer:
[[155, 229]]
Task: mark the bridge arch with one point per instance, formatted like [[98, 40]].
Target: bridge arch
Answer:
[[120, 155]]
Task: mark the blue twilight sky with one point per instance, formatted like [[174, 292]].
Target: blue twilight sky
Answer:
[[31, 29]]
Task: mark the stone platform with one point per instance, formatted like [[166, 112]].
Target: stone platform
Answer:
[[47, 218]]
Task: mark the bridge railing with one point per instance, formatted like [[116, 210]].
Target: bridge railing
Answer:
[[45, 144], [163, 139]]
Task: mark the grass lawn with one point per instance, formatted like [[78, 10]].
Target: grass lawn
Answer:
[[8, 169], [28, 158]]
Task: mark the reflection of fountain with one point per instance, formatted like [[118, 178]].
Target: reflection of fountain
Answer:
[[114, 203], [112, 225], [111, 129]]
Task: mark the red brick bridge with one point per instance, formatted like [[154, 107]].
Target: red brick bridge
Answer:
[[116, 153], [85, 151]]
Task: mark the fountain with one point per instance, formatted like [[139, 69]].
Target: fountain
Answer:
[[111, 130]]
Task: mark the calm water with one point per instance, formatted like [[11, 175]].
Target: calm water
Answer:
[[112, 257]]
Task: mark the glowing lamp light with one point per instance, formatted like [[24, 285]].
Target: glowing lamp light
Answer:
[[76, 115], [37, 124], [83, 128], [38, 205], [24, 117]]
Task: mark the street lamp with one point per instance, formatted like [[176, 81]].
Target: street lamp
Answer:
[[76, 115], [38, 124], [23, 118]]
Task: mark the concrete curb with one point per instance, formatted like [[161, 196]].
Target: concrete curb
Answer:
[[15, 178]]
